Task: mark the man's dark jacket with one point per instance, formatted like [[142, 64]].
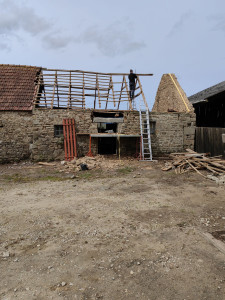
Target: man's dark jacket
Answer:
[[132, 78]]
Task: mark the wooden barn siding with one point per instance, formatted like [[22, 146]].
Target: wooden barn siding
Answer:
[[209, 139]]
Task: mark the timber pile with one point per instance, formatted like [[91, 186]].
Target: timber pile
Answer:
[[193, 161]]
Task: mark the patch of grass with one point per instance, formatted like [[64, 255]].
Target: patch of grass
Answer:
[[125, 170], [52, 178], [17, 178], [85, 175]]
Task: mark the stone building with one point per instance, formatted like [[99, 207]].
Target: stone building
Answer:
[[35, 101]]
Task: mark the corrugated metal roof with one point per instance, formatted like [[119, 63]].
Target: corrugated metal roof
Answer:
[[17, 87], [207, 93]]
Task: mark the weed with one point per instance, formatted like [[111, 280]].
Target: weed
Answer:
[[22, 179], [85, 175], [125, 170], [16, 178]]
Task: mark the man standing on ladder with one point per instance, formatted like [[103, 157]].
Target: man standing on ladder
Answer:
[[132, 76]]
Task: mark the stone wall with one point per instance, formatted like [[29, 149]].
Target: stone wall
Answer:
[[174, 132], [16, 136], [26, 135]]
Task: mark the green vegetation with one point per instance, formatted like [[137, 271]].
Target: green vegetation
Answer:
[[17, 178], [125, 170], [85, 175]]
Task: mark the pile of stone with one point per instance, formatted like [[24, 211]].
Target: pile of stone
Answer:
[[77, 164], [89, 163]]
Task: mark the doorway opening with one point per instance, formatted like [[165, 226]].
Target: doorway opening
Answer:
[[107, 145]]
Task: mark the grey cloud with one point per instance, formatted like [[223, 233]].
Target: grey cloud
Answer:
[[113, 40], [14, 17], [219, 22], [56, 40], [180, 23], [3, 45]]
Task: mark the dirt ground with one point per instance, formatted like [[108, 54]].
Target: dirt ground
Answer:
[[124, 231]]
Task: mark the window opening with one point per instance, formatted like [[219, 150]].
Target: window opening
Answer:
[[58, 130], [107, 127], [152, 126]]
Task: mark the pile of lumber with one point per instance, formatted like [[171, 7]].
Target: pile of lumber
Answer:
[[193, 161]]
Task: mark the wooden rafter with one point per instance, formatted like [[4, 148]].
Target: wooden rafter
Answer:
[[110, 87], [97, 84], [128, 93], [70, 89], [113, 94], [108, 93], [83, 98], [99, 73], [53, 94], [45, 96], [69, 94], [142, 93], [57, 88], [36, 99], [122, 87]]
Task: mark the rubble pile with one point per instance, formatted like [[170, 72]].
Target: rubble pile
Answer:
[[89, 163]]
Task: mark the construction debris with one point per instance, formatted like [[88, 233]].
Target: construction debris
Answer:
[[97, 162], [46, 164], [193, 161]]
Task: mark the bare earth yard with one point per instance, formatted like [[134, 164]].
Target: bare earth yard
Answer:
[[130, 231]]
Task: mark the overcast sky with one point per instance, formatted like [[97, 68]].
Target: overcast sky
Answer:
[[150, 36]]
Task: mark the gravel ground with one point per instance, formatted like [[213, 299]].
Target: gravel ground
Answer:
[[125, 231]]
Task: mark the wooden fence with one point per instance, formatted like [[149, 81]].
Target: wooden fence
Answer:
[[209, 139]]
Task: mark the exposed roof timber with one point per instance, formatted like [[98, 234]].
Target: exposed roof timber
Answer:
[[207, 93], [95, 73], [69, 89]]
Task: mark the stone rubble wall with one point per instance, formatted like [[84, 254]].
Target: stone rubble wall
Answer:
[[174, 132], [16, 137], [168, 97], [30, 135]]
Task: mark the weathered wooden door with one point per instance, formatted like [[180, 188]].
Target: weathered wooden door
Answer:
[[209, 139]]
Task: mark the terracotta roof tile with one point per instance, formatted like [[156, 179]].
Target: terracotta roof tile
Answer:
[[17, 87]]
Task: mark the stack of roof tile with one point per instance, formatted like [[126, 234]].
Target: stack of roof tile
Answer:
[[17, 87]]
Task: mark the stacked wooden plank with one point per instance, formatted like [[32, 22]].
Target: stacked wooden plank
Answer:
[[193, 161]]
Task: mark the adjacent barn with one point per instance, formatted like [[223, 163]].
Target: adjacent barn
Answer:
[[209, 107]]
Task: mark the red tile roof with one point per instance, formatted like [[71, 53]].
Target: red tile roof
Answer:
[[17, 87]]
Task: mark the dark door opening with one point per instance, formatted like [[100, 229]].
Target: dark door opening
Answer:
[[107, 145]]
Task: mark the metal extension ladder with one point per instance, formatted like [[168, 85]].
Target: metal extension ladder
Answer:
[[146, 148]]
